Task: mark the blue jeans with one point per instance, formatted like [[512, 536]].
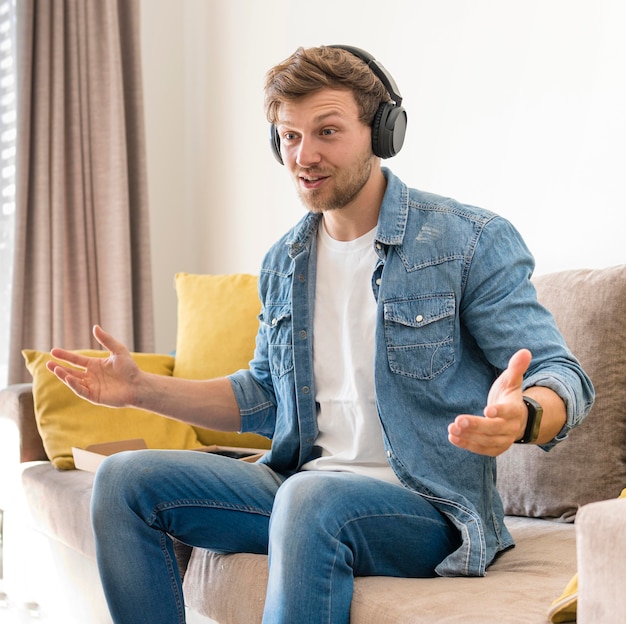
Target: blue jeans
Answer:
[[321, 529]]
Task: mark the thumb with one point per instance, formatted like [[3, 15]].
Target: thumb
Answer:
[[511, 379], [105, 339], [518, 365]]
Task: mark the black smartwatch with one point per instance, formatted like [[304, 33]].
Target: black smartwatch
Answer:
[[535, 412]]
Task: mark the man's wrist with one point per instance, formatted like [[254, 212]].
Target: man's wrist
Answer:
[[533, 421]]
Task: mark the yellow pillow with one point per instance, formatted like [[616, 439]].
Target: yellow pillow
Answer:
[[217, 324], [216, 335], [65, 420], [564, 608]]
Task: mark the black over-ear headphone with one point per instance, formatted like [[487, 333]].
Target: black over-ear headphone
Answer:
[[389, 125]]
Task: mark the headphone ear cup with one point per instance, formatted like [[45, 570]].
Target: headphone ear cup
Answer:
[[388, 130], [275, 144]]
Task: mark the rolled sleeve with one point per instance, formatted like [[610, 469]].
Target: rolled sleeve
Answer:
[[576, 391], [256, 407]]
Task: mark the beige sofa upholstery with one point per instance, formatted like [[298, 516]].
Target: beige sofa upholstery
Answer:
[[542, 493], [602, 562]]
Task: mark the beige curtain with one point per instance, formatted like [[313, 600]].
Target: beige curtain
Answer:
[[82, 238]]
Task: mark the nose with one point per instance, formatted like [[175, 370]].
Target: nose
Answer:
[[308, 152]]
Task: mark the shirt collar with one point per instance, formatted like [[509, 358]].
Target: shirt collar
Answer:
[[394, 211], [392, 219]]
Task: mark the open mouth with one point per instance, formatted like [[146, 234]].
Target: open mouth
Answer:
[[312, 182]]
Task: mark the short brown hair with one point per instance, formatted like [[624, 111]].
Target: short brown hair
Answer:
[[309, 69]]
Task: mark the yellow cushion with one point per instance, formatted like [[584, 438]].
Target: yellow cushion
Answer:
[[563, 609], [217, 324], [217, 327], [65, 420]]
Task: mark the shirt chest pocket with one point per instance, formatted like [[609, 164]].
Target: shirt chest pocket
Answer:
[[276, 320], [419, 334]]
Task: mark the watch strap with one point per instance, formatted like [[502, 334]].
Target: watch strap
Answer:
[[533, 422]]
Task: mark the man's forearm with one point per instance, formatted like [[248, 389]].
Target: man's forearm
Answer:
[[203, 403]]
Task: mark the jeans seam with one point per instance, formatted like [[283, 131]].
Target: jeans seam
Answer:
[[180, 603], [203, 503], [387, 515], [330, 582]]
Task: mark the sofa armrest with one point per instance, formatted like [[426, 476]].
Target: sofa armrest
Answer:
[[16, 404], [601, 544]]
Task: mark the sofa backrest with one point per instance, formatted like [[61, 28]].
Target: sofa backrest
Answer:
[[589, 307], [16, 404]]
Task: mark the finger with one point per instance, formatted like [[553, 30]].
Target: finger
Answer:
[[71, 357], [112, 345], [73, 378], [476, 427], [464, 430], [474, 434], [469, 426], [62, 372], [459, 426], [76, 384]]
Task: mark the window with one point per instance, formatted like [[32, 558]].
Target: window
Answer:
[[8, 125]]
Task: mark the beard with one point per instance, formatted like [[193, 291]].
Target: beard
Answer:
[[341, 189]]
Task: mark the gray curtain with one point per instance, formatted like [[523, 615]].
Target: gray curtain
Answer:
[[82, 248]]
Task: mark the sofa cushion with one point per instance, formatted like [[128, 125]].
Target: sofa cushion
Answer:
[[216, 335], [59, 503], [589, 307], [519, 586], [65, 420]]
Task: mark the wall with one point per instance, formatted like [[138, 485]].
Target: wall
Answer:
[[514, 105]]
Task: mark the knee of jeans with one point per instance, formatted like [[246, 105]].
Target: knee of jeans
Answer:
[[113, 481], [304, 498]]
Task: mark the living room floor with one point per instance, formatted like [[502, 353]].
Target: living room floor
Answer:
[[12, 612]]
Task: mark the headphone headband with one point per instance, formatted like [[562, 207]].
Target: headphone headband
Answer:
[[377, 68]]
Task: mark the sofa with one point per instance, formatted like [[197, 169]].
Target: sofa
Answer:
[[563, 507]]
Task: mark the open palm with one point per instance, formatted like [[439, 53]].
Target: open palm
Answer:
[[104, 381]]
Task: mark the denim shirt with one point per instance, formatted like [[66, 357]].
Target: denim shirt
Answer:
[[455, 301]]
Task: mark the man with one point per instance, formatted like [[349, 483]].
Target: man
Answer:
[[393, 363]]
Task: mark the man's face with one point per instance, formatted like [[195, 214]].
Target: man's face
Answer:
[[326, 148]]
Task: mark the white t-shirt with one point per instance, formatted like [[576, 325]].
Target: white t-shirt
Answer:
[[344, 323]]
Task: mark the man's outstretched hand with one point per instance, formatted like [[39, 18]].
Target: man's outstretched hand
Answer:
[[105, 381], [505, 415]]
